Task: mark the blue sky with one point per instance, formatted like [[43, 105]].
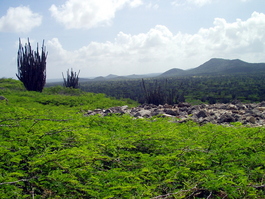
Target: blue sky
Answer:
[[123, 37]]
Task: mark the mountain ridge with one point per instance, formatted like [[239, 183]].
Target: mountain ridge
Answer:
[[217, 66], [214, 66]]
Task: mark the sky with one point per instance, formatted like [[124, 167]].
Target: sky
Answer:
[[125, 37]]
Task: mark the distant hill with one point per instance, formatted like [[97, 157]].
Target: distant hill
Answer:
[[116, 77], [174, 72], [215, 66], [219, 66], [111, 76], [228, 66]]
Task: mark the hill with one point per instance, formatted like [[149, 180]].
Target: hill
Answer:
[[217, 66], [173, 72]]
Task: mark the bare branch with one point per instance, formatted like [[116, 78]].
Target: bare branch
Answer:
[[21, 180]]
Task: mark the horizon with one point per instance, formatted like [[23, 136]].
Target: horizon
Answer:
[[91, 78]]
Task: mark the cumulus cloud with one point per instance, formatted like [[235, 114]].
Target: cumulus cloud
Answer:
[[90, 13], [159, 49], [154, 6], [135, 3], [194, 2], [19, 19]]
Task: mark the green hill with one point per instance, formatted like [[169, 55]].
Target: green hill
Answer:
[[217, 66], [224, 66], [49, 149]]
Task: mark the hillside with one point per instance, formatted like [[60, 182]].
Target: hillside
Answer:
[[49, 148], [214, 66], [174, 72], [218, 66]]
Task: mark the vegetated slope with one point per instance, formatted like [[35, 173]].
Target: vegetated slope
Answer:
[[217, 66], [49, 149], [174, 72], [211, 89], [224, 66]]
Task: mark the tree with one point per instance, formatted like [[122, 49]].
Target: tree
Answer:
[[71, 79], [32, 66]]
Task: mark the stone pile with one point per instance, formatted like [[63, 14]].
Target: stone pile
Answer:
[[248, 114]]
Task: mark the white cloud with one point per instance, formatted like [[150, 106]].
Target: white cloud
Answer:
[[159, 49], [89, 13], [151, 5], [135, 3], [194, 2], [19, 19]]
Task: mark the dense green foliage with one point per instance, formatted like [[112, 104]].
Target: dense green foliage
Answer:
[[196, 89], [49, 149]]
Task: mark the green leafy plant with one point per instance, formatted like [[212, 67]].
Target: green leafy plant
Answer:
[[51, 150]]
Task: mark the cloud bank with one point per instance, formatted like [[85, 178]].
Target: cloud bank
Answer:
[[89, 13], [159, 49], [19, 19]]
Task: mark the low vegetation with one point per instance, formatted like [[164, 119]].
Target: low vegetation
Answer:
[[246, 88], [49, 149]]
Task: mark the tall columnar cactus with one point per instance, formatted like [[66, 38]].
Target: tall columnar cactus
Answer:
[[157, 93], [71, 79], [32, 66]]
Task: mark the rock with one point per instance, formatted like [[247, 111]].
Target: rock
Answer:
[[202, 114], [124, 107], [261, 108], [241, 107], [167, 115], [236, 102], [145, 113], [184, 104], [231, 107], [155, 113], [137, 114], [251, 119], [167, 106], [171, 112], [262, 104], [253, 114], [226, 118]]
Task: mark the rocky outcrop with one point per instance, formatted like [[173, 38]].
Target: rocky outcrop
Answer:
[[249, 114]]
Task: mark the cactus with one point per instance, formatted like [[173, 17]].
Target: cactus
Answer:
[[32, 67], [71, 79], [160, 93]]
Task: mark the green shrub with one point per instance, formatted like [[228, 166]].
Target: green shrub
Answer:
[[54, 151]]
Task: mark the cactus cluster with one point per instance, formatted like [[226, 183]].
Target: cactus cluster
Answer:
[[72, 79], [32, 66]]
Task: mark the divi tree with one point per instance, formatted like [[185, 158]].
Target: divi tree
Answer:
[[32, 66], [72, 79]]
